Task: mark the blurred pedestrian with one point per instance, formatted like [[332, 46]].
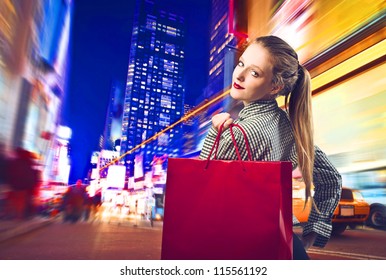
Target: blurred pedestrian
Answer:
[[119, 202], [97, 199], [23, 179], [269, 68], [4, 184], [87, 206], [74, 201], [96, 203]]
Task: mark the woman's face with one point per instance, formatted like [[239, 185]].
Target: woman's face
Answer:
[[252, 76]]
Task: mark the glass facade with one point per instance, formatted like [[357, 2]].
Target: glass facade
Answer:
[[154, 96], [225, 39], [223, 35], [113, 126]]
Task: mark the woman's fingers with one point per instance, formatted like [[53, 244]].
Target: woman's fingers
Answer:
[[228, 123], [219, 119]]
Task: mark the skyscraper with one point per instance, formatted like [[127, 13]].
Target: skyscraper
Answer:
[[228, 27], [227, 33], [112, 131], [154, 96]]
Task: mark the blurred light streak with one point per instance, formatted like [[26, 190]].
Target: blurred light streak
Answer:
[[183, 119], [361, 59], [335, 20], [366, 57], [350, 121]]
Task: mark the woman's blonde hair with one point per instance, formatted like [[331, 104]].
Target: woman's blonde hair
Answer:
[[295, 83]]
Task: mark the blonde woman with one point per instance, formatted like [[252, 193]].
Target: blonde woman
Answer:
[[268, 68]]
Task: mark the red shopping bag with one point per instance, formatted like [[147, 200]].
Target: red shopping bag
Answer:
[[227, 210]]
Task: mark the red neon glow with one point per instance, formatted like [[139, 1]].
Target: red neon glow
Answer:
[[231, 30]]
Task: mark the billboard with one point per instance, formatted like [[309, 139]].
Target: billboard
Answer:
[[116, 176]]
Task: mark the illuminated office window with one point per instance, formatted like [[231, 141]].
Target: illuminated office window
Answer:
[[168, 65], [165, 101], [171, 31], [167, 83], [170, 49], [151, 24], [164, 119]]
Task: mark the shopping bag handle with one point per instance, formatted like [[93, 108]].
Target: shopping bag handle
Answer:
[[245, 141], [217, 142]]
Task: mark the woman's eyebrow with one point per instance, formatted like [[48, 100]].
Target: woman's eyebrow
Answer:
[[255, 66]]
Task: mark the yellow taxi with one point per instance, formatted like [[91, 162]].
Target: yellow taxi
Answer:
[[352, 209]]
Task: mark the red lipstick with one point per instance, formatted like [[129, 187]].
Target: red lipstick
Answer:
[[237, 86]]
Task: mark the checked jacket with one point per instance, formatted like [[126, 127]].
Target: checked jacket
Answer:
[[271, 138]]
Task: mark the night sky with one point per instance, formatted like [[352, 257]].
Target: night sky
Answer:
[[99, 54]]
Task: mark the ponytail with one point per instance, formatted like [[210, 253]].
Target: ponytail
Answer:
[[295, 83], [300, 114]]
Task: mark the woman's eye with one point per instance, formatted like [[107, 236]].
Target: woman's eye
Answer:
[[254, 73], [241, 64]]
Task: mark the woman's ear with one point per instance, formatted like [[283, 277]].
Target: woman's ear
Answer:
[[276, 88]]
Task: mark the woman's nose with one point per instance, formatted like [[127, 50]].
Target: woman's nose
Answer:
[[240, 76]]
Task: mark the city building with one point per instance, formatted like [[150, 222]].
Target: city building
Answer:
[[189, 131], [34, 56], [60, 165], [113, 125], [154, 95], [228, 32], [228, 27]]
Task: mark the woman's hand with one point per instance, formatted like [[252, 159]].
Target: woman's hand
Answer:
[[218, 119]]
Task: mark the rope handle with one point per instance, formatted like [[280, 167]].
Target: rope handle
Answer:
[[245, 141], [217, 142]]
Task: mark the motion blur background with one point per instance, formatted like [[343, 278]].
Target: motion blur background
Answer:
[[342, 44]]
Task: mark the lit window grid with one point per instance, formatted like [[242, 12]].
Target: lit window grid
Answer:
[[155, 80]]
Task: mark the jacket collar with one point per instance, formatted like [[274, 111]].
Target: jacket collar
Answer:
[[258, 107]]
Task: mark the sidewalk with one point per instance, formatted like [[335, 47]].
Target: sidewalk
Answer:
[[13, 228]]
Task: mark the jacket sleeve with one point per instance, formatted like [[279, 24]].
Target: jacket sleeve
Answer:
[[328, 187], [208, 143]]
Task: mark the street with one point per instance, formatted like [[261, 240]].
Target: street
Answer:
[[362, 243], [135, 239], [87, 241]]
